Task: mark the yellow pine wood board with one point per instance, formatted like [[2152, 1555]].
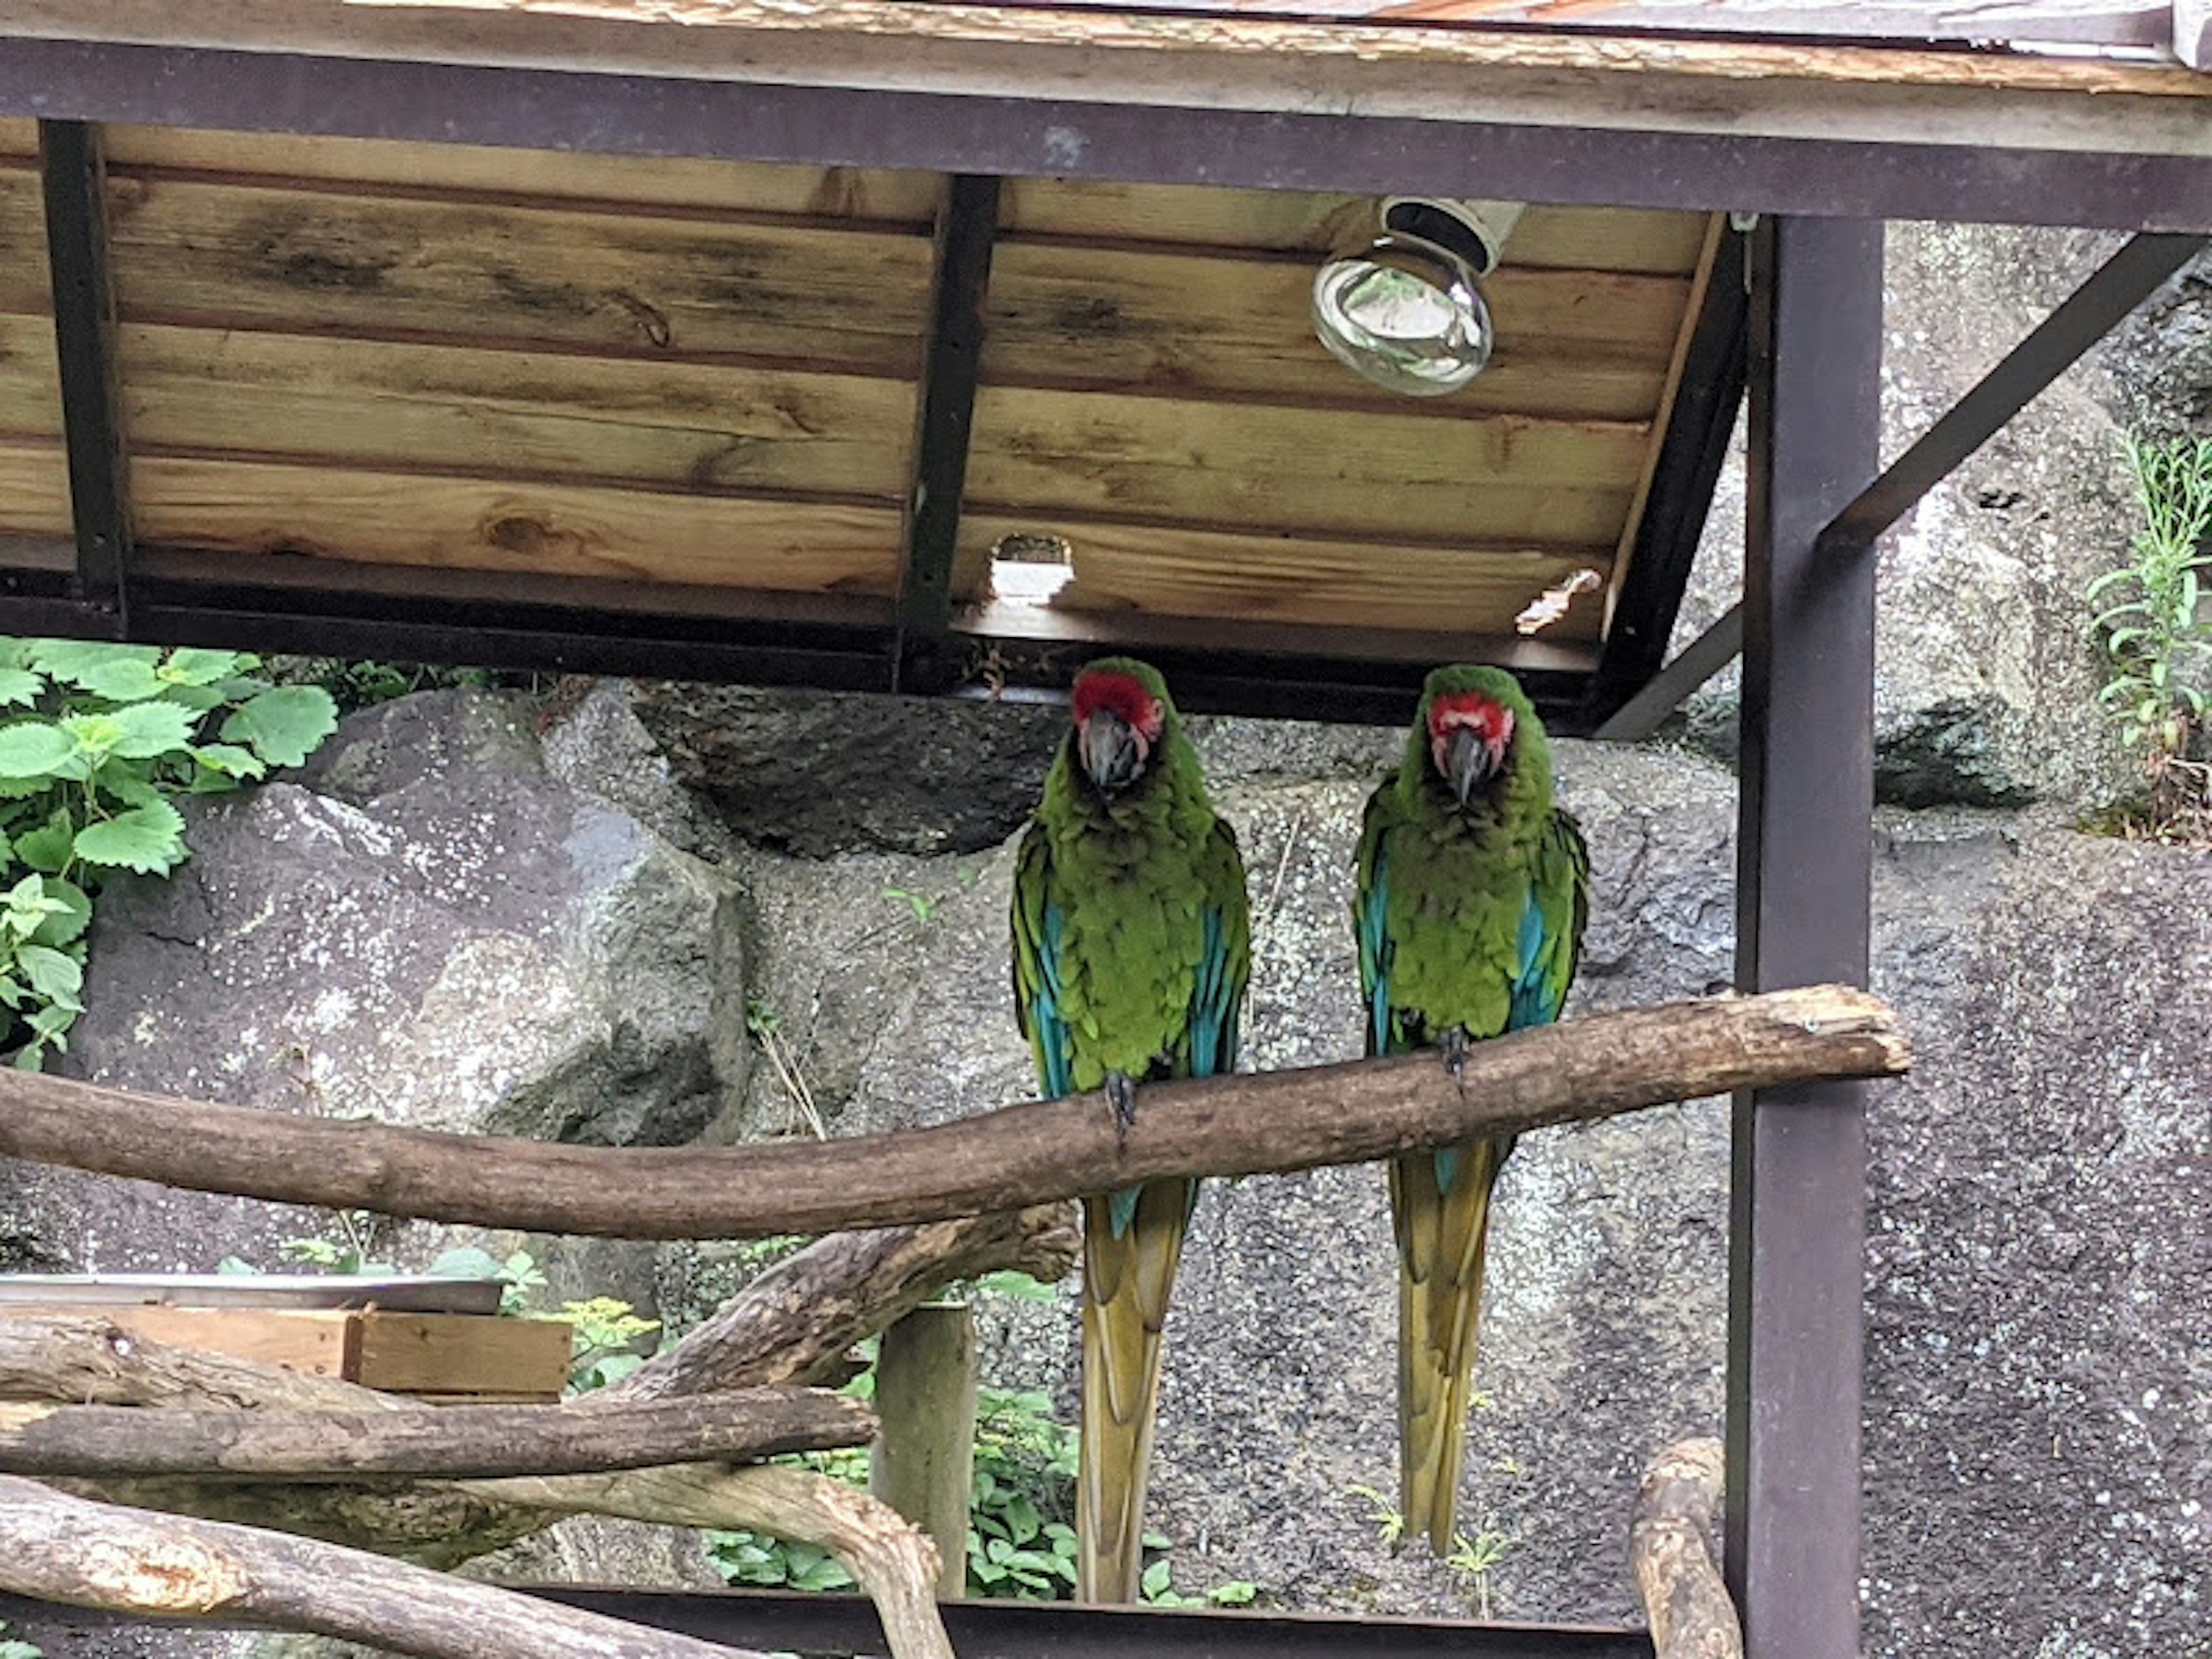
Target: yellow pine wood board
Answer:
[[522, 527], [1501, 478], [1164, 571], [568, 417], [34, 498], [461, 1353], [318, 1342], [660, 288]]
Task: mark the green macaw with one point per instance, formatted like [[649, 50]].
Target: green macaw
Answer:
[[1132, 949], [1474, 889]]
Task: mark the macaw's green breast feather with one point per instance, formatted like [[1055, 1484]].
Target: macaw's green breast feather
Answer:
[[1132, 930], [1469, 918]]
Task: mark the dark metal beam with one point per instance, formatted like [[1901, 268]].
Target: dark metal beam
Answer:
[[2083, 318], [1669, 690], [75, 189], [636, 114], [1804, 862], [1708, 394], [966, 227]]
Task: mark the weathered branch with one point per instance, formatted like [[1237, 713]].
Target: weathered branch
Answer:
[[61, 1548], [1669, 1545], [804, 1312], [1032, 1153], [421, 1442]]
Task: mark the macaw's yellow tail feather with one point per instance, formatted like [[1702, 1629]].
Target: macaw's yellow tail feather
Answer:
[[1126, 1283], [1440, 1243]]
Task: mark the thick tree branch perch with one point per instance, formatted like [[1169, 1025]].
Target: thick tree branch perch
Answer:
[[1669, 1544], [422, 1441], [61, 1548], [1020, 1155], [804, 1312]]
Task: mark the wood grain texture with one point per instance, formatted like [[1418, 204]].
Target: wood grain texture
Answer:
[[1273, 468], [1670, 1547], [454, 1353], [425, 1441], [905, 199], [316, 1342], [1581, 238], [1038, 1151], [1127, 569], [554, 416], [1570, 342], [657, 289], [34, 489], [24, 280], [60, 1548], [405, 518]]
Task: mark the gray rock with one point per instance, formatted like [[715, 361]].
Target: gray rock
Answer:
[[815, 773], [2161, 358]]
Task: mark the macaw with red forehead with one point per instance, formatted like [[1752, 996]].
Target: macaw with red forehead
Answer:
[[1131, 948], [1131, 952], [1473, 893]]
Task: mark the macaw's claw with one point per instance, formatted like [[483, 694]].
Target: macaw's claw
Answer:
[[1121, 1093], [1454, 1051]]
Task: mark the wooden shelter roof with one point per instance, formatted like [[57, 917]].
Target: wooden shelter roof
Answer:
[[763, 396]]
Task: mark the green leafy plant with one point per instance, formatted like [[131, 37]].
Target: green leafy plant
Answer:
[[1472, 1560], [923, 905], [1389, 1520], [2158, 647], [97, 741], [15, 1648], [605, 1329]]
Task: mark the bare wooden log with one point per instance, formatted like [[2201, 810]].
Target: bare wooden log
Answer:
[[798, 1319], [1670, 1548], [61, 1548], [924, 1463], [1034, 1152], [421, 1442], [445, 1524]]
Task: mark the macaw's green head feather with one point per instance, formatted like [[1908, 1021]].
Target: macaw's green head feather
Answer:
[[1125, 722], [1477, 741]]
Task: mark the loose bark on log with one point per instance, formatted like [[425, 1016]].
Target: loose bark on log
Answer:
[[798, 1319], [1032, 1153], [424, 1441], [61, 1548], [1669, 1546]]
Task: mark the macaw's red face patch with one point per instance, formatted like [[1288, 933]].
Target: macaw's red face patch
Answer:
[[1469, 733], [1117, 722]]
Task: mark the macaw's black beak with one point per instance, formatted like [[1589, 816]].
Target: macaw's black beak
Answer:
[[1112, 753], [1469, 762]]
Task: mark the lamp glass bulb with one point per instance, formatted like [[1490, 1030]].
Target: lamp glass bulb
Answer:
[[1406, 317]]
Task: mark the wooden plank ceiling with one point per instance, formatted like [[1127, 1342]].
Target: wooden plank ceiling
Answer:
[[704, 375]]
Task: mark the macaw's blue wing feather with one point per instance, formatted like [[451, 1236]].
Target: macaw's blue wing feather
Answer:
[[1551, 942], [1040, 936], [1370, 908]]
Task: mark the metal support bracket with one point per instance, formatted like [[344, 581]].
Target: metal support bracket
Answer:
[[75, 182], [966, 230]]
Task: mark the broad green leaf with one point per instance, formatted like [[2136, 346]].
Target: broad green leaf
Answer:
[[66, 924], [53, 975], [197, 698], [127, 679], [95, 735], [230, 760], [35, 749], [127, 781], [19, 685], [16, 652], [191, 666], [284, 726], [71, 661], [51, 847], [1155, 1581], [148, 839], [151, 730]]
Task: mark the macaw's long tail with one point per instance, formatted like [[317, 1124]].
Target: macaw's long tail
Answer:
[[1440, 1202], [1128, 1270]]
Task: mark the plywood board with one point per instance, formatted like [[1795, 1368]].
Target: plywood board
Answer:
[[1582, 239], [460, 1353], [34, 496], [1570, 342], [317, 1342], [1381, 475], [25, 283], [524, 528], [1152, 570], [546, 415], [657, 289], [719, 187]]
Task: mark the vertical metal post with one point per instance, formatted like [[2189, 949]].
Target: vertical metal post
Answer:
[[1804, 861], [74, 179], [924, 1463]]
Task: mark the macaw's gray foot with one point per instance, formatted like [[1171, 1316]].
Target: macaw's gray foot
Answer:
[[1455, 1051], [1121, 1093]]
